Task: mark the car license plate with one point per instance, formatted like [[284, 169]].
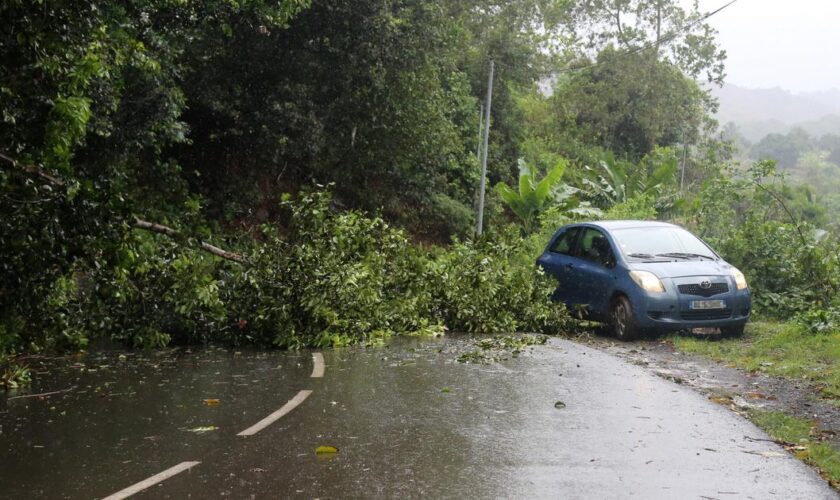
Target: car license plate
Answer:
[[708, 304]]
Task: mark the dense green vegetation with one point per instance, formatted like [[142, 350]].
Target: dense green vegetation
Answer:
[[297, 173]]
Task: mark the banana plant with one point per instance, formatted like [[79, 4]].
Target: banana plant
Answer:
[[534, 196], [616, 181]]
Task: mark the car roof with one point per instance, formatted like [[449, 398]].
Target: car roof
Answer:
[[626, 224]]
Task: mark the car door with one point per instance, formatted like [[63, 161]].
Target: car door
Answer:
[[557, 261], [592, 270]]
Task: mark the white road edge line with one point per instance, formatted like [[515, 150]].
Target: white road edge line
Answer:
[[262, 424], [318, 366], [142, 485]]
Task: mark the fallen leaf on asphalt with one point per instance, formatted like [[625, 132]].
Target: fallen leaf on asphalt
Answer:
[[721, 400], [211, 402], [559, 405], [206, 428], [795, 447], [446, 389], [326, 450]]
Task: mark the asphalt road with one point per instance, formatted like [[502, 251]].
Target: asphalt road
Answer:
[[408, 421]]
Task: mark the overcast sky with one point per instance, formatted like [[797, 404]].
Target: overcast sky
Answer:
[[792, 44]]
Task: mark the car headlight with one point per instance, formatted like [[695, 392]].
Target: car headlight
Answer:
[[740, 280], [647, 281]]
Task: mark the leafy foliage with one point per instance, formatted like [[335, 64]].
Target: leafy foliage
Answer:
[[533, 195], [333, 278], [13, 375], [499, 347]]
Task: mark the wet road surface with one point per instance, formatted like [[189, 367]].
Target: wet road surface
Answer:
[[408, 420]]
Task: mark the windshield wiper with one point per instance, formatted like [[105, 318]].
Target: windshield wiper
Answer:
[[641, 255], [684, 255]]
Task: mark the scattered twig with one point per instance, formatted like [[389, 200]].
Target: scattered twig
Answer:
[[43, 394], [759, 439]]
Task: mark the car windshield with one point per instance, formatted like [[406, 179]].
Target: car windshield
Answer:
[[659, 242]]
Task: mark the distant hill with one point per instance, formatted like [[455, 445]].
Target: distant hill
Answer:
[[758, 112]]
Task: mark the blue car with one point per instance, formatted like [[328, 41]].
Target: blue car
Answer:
[[645, 277]]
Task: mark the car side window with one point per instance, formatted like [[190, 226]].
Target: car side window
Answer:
[[565, 242], [594, 246]]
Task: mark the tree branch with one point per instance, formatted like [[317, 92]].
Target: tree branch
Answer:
[[138, 223], [172, 233], [784, 206], [617, 16], [32, 170], [825, 279]]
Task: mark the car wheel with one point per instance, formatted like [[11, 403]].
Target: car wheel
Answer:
[[622, 321], [732, 331]]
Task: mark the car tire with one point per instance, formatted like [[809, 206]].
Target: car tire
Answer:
[[622, 320], [729, 332]]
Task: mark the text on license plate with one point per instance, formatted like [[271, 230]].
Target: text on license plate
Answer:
[[708, 304]]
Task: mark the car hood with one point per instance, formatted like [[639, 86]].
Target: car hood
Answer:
[[680, 269]]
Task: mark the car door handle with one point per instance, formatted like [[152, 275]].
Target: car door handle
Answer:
[[569, 266]]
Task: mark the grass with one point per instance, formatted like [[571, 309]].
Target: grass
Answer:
[[801, 437], [792, 430], [780, 349]]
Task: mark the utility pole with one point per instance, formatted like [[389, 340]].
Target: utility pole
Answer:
[[682, 175], [480, 224], [480, 131]]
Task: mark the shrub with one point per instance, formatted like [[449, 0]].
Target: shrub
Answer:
[[493, 286]]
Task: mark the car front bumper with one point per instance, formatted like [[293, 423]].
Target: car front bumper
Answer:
[[672, 310]]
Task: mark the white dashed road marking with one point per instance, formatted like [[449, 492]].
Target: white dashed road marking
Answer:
[[318, 369], [262, 424], [142, 485], [318, 365]]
